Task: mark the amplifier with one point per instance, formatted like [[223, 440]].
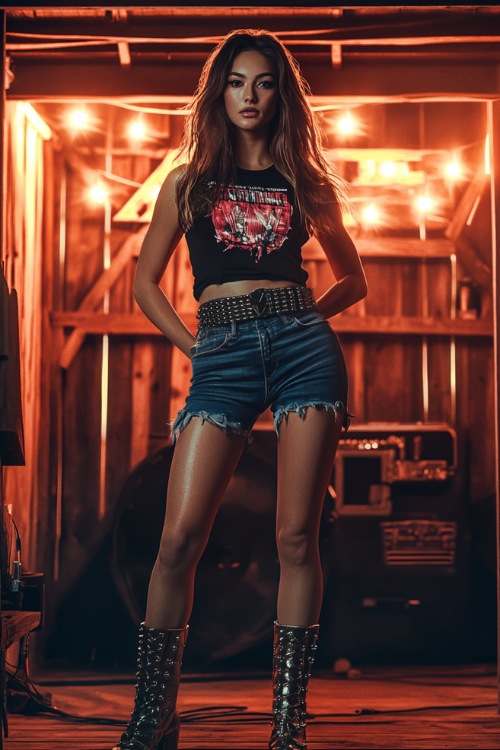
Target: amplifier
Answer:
[[378, 462], [399, 584]]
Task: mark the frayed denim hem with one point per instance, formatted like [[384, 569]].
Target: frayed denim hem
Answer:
[[184, 417], [338, 407]]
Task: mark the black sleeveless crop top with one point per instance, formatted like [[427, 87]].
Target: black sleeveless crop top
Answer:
[[253, 232]]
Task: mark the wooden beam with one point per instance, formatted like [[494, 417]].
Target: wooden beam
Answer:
[[363, 27], [3, 171], [131, 324], [467, 206], [140, 206], [493, 112], [387, 247], [364, 23], [179, 77], [403, 247], [94, 297]]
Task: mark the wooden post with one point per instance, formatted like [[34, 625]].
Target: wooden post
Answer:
[[2, 136], [3, 699], [493, 109]]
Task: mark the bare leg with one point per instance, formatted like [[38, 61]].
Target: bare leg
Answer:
[[306, 450], [204, 460]]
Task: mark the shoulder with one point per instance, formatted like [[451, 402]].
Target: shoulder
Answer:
[[174, 175], [168, 189]]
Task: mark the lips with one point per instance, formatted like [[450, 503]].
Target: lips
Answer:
[[249, 111]]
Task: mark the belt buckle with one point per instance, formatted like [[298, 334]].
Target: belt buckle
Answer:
[[261, 304]]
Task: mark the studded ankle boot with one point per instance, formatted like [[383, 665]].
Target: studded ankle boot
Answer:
[[294, 649], [154, 723]]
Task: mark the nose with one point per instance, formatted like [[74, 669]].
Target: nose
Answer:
[[250, 95]]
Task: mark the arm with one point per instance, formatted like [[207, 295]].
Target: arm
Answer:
[[159, 243], [346, 266]]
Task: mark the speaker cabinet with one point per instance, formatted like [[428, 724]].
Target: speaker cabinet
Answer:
[[400, 584]]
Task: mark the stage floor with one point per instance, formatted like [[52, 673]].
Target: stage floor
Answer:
[[381, 707]]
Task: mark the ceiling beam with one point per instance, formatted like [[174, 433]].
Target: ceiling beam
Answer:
[[39, 80]]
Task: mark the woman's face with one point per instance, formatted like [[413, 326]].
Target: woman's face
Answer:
[[251, 93]]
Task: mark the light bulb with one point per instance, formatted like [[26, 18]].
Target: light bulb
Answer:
[[453, 170], [387, 169], [98, 193], [78, 119], [370, 214], [347, 124], [137, 130], [425, 204]]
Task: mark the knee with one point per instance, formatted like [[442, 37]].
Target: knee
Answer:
[[295, 548], [178, 550]]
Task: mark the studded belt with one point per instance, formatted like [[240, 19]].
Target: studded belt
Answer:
[[260, 303]]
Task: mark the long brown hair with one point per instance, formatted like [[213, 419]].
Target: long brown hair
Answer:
[[294, 135]]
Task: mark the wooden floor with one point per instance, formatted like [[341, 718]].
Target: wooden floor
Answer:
[[383, 707]]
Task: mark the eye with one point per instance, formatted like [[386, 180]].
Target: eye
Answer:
[[234, 83], [268, 84]]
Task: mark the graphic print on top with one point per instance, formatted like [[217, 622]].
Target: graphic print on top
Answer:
[[253, 219]]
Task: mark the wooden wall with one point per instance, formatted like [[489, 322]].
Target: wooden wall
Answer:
[[71, 492], [28, 173]]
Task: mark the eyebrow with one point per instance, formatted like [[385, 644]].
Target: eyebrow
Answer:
[[259, 75]]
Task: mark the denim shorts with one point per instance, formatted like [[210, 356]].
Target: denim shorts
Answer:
[[288, 362]]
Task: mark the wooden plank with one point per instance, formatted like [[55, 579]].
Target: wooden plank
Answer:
[[439, 380], [493, 118], [140, 206], [15, 625], [3, 160], [44, 447], [177, 79], [467, 205], [119, 418], [381, 154], [370, 23], [475, 399], [389, 247], [131, 324], [415, 325], [142, 380], [385, 709], [95, 295]]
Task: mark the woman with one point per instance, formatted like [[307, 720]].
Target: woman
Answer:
[[254, 188]]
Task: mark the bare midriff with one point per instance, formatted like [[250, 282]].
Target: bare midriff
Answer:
[[235, 288]]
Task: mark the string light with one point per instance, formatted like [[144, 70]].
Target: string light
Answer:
[[137, 129], [425, 204], [370, 215], [347, 125], [392, 170], [388, 169], [453, 170], [99, 194], [78, 119]]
